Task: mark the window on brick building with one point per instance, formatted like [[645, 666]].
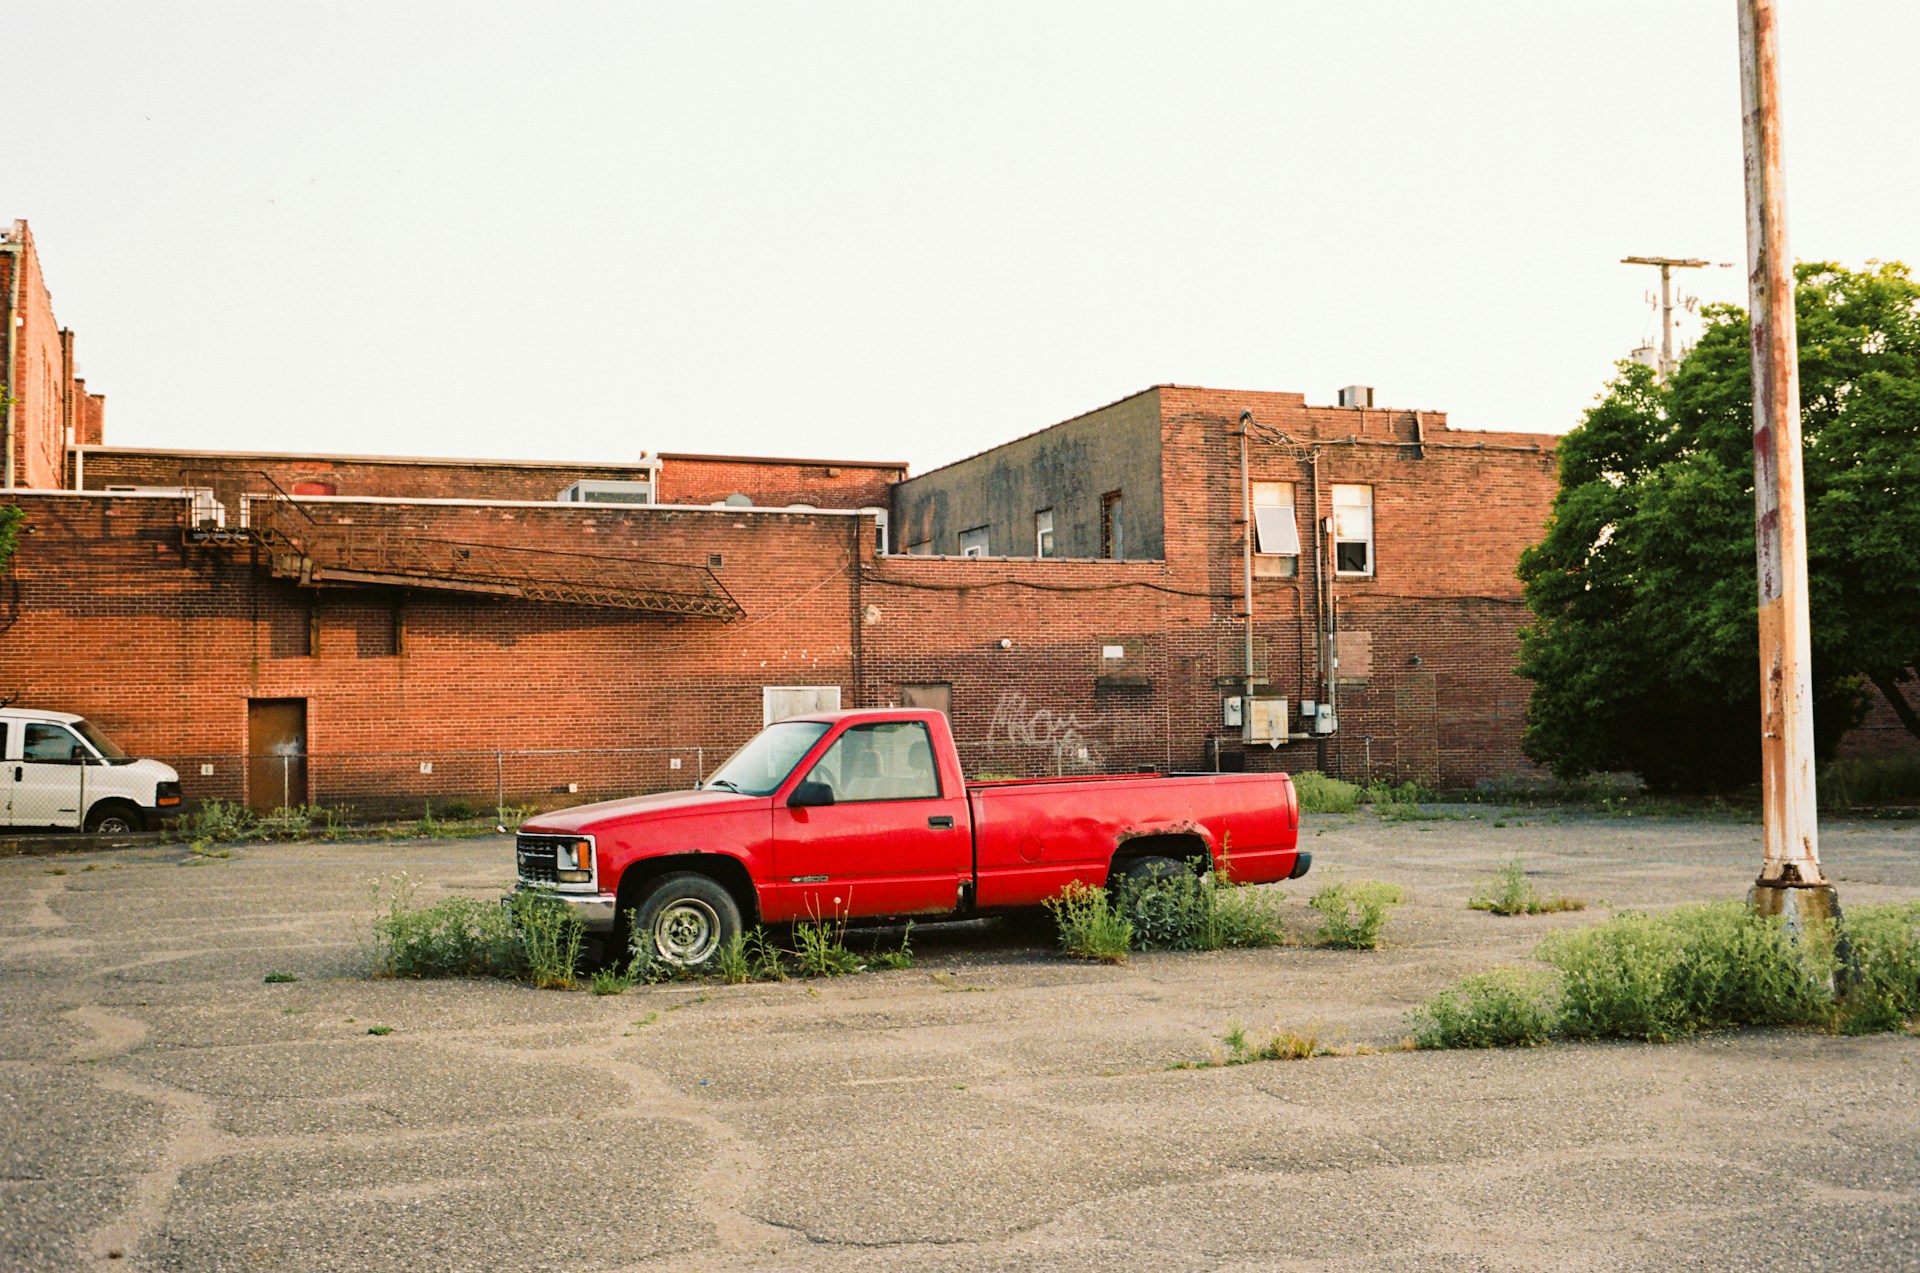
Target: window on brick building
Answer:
[[1113, 541], [973, 543], [1352, 530], [1043, 533], [1276, 531]]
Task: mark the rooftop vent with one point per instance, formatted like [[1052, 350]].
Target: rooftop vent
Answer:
[[1357, 396]]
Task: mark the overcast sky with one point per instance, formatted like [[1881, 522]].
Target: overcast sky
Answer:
[[897, 231]]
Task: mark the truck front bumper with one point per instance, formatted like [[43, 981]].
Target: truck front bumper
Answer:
[[595, 911]]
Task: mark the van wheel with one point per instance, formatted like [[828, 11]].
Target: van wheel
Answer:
[[112, 818], [685, 919]]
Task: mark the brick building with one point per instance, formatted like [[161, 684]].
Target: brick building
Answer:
[[375, 629], [47, 407]]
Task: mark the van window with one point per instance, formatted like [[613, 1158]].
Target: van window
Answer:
[[49, 744]]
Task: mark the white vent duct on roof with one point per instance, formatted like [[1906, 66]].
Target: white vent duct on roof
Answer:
[[1357, 396]]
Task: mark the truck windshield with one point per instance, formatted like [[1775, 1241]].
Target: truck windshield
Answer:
[[109, 749], [764, 763]]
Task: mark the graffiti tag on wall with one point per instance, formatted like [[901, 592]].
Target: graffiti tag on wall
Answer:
[[1017, 721]]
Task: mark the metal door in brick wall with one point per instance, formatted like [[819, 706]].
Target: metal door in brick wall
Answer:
[[1416, 725], [276, 753]]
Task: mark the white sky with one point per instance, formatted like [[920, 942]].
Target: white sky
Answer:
[[896, 231]]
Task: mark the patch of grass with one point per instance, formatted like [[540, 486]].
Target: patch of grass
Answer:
[[1883, 992], [1201, 911], [1091, 927], [1891, 780], [535, 936], [1400, 801], [1352, 915], [820, 949], [1318, 793], [1512, 893], [550, 936], [1506, 1008], [381, 1030], [454, 937], [898, 959], [279, 978], [610, 981], [1698, 967]]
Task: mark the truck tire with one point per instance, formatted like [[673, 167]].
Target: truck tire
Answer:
[[114, 817], [685, 918], [1141, 872]]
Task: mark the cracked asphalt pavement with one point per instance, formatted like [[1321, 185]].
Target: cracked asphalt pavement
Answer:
[[995, 1107]]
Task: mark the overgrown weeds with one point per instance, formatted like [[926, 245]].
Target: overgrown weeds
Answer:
[[1889, 780], [1318, 793], [1198, 910], [820, 949], [1667, 977], [1512, 893], [1352, 915], [1505, 1008], [1400, 803], [533, 936], [1091, 927]]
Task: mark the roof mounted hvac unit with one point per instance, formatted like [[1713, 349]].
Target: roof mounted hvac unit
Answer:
[[1357, 396], [607, 492]]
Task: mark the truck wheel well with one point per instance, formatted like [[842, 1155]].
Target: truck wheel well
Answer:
[[728, 871], [1181, 846]]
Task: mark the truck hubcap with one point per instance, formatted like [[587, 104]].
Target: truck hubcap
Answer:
[[686, 931]]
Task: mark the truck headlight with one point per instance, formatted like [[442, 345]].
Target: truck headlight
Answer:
[[573, 861]]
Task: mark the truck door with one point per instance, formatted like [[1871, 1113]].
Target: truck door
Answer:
[[47, 776], [891, 843], [6, 778]]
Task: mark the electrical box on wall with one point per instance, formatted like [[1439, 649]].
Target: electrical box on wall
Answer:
[[1230, 714], [1265, 721], [1323, 721]]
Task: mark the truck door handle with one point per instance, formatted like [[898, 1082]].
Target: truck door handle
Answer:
[[17, 771], [942, 823]]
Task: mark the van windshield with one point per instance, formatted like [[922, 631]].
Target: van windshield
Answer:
[[764, 763], [101, 743]]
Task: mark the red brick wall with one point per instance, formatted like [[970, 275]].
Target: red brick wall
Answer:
[[705, 479], [695, 480], [163, 646], [43, 379], [1450, 520]]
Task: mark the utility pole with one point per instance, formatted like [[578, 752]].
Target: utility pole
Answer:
[[1790, 882], [1667, 264]]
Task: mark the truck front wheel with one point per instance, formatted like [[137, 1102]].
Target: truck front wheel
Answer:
[[113, 817], [684, 919]]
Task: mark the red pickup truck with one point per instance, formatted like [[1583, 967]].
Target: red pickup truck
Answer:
[[866, 814]]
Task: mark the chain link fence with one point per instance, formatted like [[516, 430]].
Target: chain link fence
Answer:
[[451, 784]]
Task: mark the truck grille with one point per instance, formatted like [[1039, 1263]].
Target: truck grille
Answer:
[[536, 855]]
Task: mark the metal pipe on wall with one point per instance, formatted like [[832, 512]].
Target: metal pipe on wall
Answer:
[[1246, 555], [12, 248]]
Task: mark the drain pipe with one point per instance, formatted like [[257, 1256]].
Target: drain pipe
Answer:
[[12, 248], [1246, 556]]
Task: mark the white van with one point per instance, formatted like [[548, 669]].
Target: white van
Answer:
[[61, 771]]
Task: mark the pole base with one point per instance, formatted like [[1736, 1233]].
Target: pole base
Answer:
[[1797, 903]]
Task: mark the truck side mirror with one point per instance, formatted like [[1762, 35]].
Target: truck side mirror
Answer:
[[810, 795]]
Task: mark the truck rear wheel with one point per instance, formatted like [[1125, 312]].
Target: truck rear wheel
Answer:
[[684, 919]]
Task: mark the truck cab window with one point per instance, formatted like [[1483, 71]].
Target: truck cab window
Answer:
[[51, 744], [888, 761]]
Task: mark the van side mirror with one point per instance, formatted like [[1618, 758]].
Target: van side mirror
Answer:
[[809, 795]]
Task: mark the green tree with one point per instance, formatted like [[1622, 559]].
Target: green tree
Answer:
[[1644, 645]]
